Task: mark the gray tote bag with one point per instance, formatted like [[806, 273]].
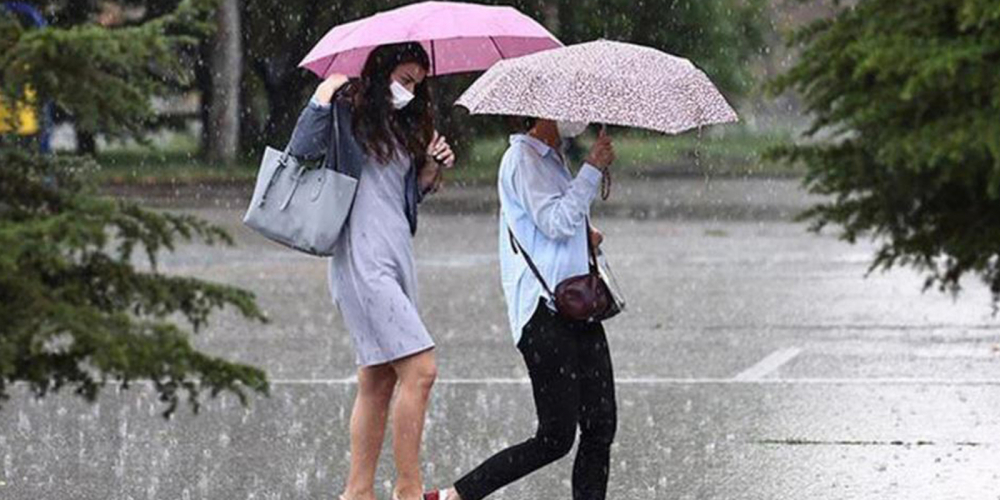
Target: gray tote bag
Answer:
[[299, 207]]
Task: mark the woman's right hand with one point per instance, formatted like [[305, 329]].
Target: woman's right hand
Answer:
[[602, 152], [324, 92]]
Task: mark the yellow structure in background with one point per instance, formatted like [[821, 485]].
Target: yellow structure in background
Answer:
[[26, 116]]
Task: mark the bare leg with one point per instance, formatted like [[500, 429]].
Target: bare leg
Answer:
[[371, 408], [416, 377]]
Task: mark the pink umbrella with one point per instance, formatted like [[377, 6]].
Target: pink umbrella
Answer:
[[458, 37]]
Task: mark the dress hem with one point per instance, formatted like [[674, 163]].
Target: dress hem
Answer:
[[404, 354]]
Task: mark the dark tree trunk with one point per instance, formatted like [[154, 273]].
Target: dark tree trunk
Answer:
[[226, 68], [203, 82], [86, 143], [285, 90], [274, 72]]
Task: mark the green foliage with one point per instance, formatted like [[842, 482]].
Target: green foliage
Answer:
[[102, 77], [68, 13], [75, 309], [905, 98], [721, 36]]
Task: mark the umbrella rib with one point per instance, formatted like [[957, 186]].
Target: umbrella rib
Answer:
[[330, 65], [497, 46]]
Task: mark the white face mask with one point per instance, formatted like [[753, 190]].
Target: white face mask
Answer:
[[400, 95], [568, 129]]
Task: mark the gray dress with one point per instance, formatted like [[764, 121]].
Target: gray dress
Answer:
[[372, 273]]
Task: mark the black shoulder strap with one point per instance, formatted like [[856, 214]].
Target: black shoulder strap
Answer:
[[591, 251], [516, 246], [333, 148]]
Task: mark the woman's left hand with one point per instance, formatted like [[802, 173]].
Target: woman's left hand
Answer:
[[439, 151], [439, 157]]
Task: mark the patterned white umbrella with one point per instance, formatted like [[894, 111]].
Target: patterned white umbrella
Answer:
[[601, 82]]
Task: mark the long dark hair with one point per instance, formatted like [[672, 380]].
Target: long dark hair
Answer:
[[380, 128]]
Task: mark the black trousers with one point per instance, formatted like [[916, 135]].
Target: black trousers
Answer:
[[573, 385]]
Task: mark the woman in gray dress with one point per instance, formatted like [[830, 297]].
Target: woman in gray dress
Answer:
[[372, 273]]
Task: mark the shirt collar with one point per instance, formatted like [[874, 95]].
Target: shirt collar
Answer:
[[539, 146]]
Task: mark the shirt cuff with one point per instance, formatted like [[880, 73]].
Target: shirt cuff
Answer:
[[591, 174], [314, 103]]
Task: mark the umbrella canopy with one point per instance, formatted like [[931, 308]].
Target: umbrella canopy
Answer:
[[459, 37], [603, 82]]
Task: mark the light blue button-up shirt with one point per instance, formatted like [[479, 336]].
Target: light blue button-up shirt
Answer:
[[547, 208]]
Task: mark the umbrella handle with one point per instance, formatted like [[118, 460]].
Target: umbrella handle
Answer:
[[606, 184], [606, 178]]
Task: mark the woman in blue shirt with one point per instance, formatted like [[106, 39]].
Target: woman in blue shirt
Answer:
[[546, 208]]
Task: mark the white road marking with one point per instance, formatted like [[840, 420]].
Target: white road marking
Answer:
[[681, 381], [769, 364], [958, 352]]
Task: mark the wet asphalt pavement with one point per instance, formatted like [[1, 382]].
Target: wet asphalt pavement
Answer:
[[756, 361]]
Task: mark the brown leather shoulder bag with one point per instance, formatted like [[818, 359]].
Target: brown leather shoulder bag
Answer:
[[578, 298]]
